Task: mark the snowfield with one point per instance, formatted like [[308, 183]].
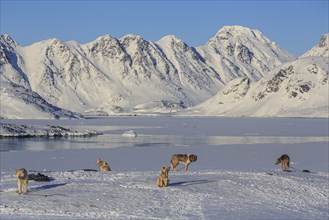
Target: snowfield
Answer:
[[206, 194], [234, 177]]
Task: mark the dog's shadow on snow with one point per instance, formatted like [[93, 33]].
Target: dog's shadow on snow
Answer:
[[192, 182], [45, 187]]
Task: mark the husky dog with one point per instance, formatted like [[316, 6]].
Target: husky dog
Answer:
[[163, 180], [285, 161], [185, 159], [103, 166], [22, 180]]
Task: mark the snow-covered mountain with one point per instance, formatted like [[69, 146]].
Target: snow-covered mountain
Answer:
[[237, 51], [133, 75], [295, 89], [16, 97]]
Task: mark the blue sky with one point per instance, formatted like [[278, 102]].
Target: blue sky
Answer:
[[294, 25]]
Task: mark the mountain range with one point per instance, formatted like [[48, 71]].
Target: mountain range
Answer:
[[298, 88], [134, 76]]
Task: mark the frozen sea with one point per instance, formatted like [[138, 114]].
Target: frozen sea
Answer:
[[234, 177], [209, 137]]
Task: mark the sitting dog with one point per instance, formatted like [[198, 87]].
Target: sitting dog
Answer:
[[22, 180], [285, 161], [163, 180], [185, 159], [103, 166]]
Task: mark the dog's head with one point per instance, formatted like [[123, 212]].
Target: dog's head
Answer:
[[282, 159], [278, 161], [193, 157], [21, 173], [165, 170], [99, 162]]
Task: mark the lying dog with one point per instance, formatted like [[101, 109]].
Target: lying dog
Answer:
[[285, 161], [185, 159], [103, 166], [22, 180], [163, 180]]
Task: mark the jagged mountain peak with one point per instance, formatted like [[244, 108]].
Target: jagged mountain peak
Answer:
[[236, 30], [57, 46], [50, 42], [106, 37], [237, 35], [104, 44], [324, 41], [7, 40], [173, 41], [132, 37], [245, 52], [134, 42], [55, 41], [321, 49], [170, 39]]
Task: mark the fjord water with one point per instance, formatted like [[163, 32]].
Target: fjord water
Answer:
[[174, 131], [220, 143]]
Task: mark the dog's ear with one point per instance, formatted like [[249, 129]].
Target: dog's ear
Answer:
[[163, 168]]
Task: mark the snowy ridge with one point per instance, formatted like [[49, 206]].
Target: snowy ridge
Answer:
[[295, 89], [131, 75], [321, 49]]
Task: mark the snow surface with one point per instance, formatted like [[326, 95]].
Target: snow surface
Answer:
[[233, 178]]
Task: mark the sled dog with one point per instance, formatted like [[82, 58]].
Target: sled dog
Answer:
[[285, 161], [163, 180], [185, 159], [103, 166], [22, 180]]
